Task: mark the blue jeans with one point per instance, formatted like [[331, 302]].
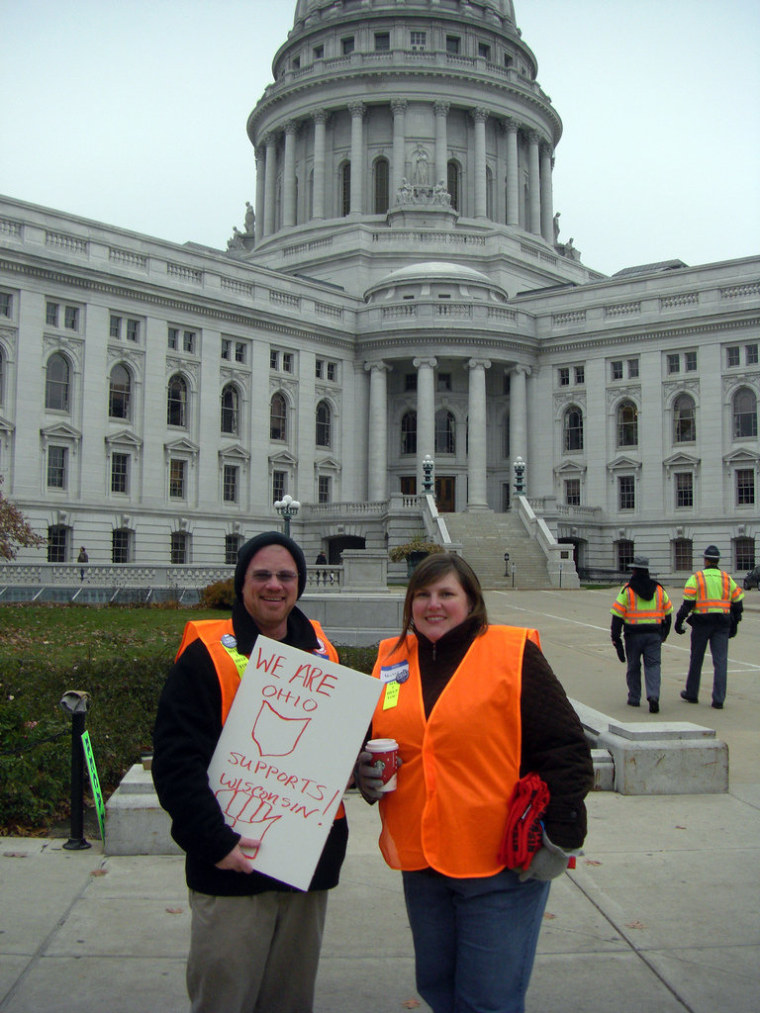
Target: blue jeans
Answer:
[[474, 939]]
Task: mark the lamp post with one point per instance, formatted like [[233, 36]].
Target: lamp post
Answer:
[[519, 469], [287, 507], [427, 474]]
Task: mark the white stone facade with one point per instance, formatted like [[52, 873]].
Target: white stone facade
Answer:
[[155, 399]]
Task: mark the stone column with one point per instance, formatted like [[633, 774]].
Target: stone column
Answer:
[[318, 195], [480, 116], [357, 110], [441, 142], [425, 412], [518, 412], [513, 181], [534, 185], [547, 209], [289, 176], [270, 176], [398, 108], [377, 451], [477, 496], [260, 185]]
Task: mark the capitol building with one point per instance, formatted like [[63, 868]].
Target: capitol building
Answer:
[[398, 336]]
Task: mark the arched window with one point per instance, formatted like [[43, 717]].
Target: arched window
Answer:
[[684, 419], [230, 405], [627, 424], [452, 183], [345, 188], [323, 424], [381, 186], [409, 433], [278, 417], [573, 429], [745, 413], [176, 402], [57, 383], [119, 392], [445, 442]]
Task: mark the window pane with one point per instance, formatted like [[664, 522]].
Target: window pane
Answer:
[[573, 429], [120, 473], [57, 383], [409, 433], [230, 484], [56, 467], [230, 410], [118, 393], [176, 413], [278, 420], [177, 479], [120, 543]]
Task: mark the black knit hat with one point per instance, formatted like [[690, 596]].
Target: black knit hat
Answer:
[[252, 546]]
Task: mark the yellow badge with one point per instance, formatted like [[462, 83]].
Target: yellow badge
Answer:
[[390, 699]]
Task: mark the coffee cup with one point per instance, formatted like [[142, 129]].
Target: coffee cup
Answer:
[[384, 752]]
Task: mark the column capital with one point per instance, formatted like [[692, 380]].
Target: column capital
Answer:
[[534, 137], [270, 139], [320, 115], [478, 364], [398, 105], [432, 362], [260, 152], [511, 125], [357, 109], [546, 149], [441, 108], [291, 127], [378, 367], [520, 370], [479, 114]]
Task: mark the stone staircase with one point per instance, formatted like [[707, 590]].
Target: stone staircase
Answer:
[[485, 537]]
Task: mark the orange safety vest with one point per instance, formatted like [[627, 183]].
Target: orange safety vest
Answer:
[[230, 664], [630, 611], [460, 763], [712, 591]]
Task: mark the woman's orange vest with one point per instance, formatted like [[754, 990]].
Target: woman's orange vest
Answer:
[[460, 764]]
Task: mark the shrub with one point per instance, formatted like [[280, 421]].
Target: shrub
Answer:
[[219, 595]]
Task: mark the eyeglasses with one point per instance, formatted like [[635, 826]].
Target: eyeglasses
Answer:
[[264, 576]]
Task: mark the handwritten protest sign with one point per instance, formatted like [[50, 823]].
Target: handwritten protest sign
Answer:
[[286, 754]]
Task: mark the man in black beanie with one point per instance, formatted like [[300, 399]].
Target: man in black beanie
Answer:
[[255, 941]]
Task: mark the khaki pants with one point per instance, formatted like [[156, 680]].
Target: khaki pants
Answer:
[[255, 954]]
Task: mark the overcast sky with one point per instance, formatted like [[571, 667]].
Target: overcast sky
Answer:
[[133, 112]]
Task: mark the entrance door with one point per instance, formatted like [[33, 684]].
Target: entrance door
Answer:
[[445, 494]]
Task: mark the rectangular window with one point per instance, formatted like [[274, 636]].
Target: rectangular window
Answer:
[[172, 340], [410, 381], [133, 330], [226, 349], [745, 487], [56, 467], [444, 381], [114, 329], [453, 43], [332, 372], [287, 362], [51, 314], [274, 359], [230, 484], [580, 374], [744, 553], [484, 51], [573, 491], [120, 544], [626, 492], [616, 370], [324, 489], [674, 363], [624, 555], [188, 341], [6, 304], [732, 356], [71, 318], [382, 42], [232, 544], [58, 547], [690, 362], [684, 489], [120, 473], [347, 45], [239, 351], [564, 376], [278, 485], [178, 550], [682, 554], [177, 479], [319, 369], [750, 352], [418, 39], [633, 369], [319, 52]]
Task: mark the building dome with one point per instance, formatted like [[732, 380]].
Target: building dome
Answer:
[[435, 280], [305, 8]]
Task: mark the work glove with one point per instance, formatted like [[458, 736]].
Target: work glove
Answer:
[[367, 776], [679, 627], [619, 648], [548, 862]]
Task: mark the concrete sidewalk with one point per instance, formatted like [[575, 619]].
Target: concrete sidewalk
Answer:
[[661, 915]]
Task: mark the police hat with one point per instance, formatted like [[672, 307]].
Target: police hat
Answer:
[[712, 552]]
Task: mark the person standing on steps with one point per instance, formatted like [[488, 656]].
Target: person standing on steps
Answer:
[[642, 614], [716, 603]]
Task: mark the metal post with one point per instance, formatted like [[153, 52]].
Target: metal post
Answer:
[[287, 507], [76, 703]]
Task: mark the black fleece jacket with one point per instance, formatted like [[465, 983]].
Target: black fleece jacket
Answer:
[[187, 729], [553, 742]]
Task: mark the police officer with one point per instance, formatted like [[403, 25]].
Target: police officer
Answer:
[[642, 611], [716, 601]]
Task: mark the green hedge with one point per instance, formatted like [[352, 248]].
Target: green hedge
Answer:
[[35, 733]]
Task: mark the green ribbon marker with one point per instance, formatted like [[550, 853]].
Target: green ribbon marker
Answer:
[[94, 784]]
